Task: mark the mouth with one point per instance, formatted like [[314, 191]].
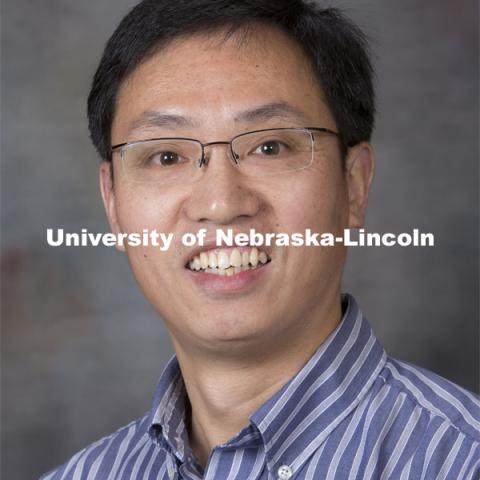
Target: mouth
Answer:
[[228, 262]]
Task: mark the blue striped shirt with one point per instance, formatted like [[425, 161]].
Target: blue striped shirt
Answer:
[[351, 412]]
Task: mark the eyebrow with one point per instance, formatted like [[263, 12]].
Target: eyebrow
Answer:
[[273, 110], [152, 118]]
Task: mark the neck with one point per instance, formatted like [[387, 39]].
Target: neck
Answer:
[[223, 392]]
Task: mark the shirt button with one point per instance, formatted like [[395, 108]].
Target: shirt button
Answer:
[[284, 472]]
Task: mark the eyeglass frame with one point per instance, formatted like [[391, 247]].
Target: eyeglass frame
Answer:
[[202, 161]]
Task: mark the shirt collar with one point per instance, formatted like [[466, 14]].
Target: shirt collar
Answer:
[[299, 417], [168, 413]]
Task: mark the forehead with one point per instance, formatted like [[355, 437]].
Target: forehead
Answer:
[[212, 78]]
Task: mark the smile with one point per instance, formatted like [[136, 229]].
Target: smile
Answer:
[[229, 262]]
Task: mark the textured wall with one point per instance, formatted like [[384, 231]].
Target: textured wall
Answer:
[[77, 332]]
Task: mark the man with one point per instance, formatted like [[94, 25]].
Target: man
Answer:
[[257, 115]]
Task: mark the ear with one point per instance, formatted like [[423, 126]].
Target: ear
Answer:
[[360, 165], [108, 197]]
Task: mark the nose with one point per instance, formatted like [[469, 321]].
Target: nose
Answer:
[[222, 195]]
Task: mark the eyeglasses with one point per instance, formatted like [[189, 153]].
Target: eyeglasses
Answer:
[[171, 161]]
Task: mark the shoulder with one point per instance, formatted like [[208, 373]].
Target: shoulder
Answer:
[[441, 398], [430, 426], [112, 455]]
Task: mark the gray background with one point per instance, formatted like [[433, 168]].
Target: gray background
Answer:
[[82, 350]]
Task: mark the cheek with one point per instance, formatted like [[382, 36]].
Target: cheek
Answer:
[[318, 200], [137, 211]]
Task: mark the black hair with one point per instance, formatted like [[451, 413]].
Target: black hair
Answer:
[[336, 48]]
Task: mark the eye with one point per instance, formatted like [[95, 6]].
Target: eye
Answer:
[[165, 158], [270, 147]]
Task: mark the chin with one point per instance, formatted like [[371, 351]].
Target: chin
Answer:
[[232, 329]]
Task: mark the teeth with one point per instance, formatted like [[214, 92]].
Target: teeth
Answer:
[[212, 260], [254, 257], [229, 262], [235, 258], [196, 263], [223, 260], [262, 257], [204, 260]]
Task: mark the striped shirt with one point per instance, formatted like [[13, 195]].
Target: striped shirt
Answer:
[[351, 412]]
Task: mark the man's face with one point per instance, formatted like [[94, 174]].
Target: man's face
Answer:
[[213, 85]]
